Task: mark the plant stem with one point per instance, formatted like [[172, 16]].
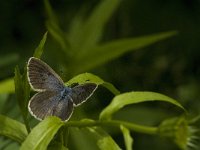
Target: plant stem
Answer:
[[111, 123]]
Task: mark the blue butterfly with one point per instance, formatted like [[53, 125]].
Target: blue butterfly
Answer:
[[53, 97]]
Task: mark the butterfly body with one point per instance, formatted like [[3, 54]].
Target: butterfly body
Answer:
[[53, 97]]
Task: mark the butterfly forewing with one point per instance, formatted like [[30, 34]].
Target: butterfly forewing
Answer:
[[42, 77], [82, 92]]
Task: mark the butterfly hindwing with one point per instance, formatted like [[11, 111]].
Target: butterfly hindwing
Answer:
[[82, 92], [42, 77], [42, 103], [64, 109], [48, 103]]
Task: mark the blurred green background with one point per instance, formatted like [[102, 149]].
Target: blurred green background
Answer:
[[170, 67]]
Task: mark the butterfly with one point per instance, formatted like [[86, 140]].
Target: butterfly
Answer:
[[53, 97]]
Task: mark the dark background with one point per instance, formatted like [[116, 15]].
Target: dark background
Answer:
[[170, 67]]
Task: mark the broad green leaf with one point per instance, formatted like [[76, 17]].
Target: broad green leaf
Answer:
[[124, 99], [106, 52], [39, 50], [42, 134], [127, 137], [12, 129], [93, 28], [88, 77], [7, 86]]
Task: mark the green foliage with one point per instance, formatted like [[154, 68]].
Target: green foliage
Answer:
[[22, 91], [81, 42], [7, 86], [12, 129], [132, 98], [88, 77], [127, 137], [39, 50], [82, 49], [42, 134]]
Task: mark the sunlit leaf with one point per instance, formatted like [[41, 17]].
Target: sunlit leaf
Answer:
[[7, 86], [124, 99], [42, 134], [106, 52], [39, 50], [12, 129], [127, 137], [108, 143], [88, 77]]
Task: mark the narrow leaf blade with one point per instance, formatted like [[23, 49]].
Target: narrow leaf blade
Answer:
[[93, 28], [53, 27], [124, 99], [39, 50], [42, 134], [103, 53]]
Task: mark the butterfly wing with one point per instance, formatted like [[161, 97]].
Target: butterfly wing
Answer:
[[64, 109], [48, 103], [42, 77], [82, 92]]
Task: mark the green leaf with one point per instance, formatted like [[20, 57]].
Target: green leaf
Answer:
[[112, 50], [91, 138], [12, 129], [39, 50], [88, 77], [50, 13], [42, 134], [53, 27], [124, 99], [7, 86], [22, 91], [127, 137], [93, 28]]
